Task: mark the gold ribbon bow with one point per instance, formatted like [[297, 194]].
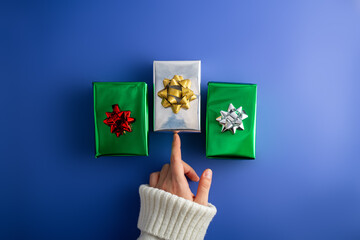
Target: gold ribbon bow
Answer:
[[176, 93]]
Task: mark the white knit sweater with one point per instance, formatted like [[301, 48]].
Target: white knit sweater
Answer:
[[166, 216]]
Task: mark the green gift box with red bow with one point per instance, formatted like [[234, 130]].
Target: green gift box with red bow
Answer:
[[121, 118]]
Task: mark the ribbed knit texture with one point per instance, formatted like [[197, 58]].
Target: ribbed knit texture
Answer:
[[167, 216]]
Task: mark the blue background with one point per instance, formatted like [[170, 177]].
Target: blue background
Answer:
[[304, 56]]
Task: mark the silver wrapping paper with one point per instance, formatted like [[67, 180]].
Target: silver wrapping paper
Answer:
[[185, 119]]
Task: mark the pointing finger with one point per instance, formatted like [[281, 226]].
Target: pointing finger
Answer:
[[175, 160]]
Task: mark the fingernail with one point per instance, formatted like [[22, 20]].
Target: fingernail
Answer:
[[208, 173]]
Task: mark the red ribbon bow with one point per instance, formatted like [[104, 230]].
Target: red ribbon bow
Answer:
[[119, 121]]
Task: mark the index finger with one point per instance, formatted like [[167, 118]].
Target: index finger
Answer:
[[175, 159]]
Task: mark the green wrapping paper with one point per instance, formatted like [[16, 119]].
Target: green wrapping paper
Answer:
[[226, 144], [130, 96]]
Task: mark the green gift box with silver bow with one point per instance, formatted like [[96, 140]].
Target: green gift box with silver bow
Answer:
[[231, 120]]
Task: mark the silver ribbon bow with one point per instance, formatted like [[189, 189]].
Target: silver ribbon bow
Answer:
[[232, 119]]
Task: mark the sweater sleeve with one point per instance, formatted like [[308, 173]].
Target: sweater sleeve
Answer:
[[166, 216]]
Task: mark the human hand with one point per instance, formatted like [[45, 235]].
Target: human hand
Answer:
[[172, 178]]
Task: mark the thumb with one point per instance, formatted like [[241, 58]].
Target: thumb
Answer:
[[202, 194]]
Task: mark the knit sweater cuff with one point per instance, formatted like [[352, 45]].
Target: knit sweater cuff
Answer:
[[168, 216]]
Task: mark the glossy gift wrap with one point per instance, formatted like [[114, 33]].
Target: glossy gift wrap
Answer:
[[231, 120], [121, 118], [177, 95]]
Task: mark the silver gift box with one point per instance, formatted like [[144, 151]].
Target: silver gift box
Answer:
[[186, 119]]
